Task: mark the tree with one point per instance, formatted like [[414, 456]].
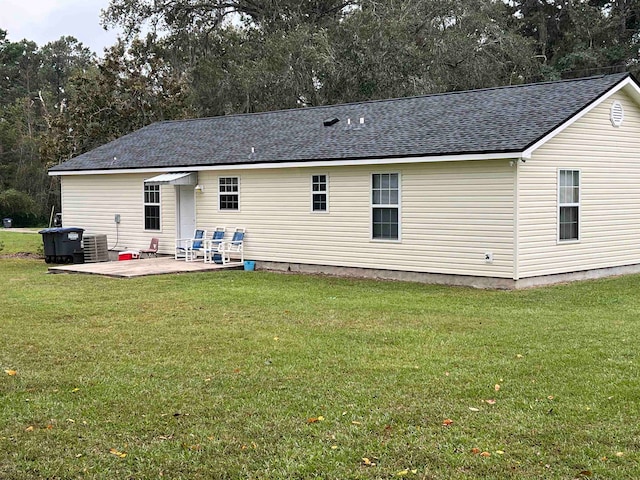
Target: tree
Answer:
[[132, 87], [581, 37]]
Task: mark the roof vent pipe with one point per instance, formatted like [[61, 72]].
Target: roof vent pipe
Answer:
[[361, 120]]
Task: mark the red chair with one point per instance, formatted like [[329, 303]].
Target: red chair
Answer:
[[153, 248]]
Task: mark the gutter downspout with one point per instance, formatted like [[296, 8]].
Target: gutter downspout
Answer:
[[516, 216]]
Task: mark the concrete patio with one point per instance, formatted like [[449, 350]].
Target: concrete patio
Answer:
[[142, 267]]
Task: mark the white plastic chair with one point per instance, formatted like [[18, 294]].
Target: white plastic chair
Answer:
[[212, 245], [234, 248], [188, 248]]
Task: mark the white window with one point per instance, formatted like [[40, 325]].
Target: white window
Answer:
[[385, 206], [228, 193], [568, 205], [152, 207], [319, 193]]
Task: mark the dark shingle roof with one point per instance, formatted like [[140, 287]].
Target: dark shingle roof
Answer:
[[495, 120]]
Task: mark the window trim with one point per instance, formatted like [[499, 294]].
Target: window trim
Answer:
[[224, 210], [397, 206], [146, 204], [560, 205], [325, 192]]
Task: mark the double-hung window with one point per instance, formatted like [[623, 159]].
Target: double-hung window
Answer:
[[319, 193], [385, 206], [152, 207], [568, 205], [228, 193]]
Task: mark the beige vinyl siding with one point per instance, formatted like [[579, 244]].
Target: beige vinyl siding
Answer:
[[451, 215], [92, 201], [609, 161]]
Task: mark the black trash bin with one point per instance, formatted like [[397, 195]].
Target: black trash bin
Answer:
[[78, 256], [48, 238], [7, 222], [60, 244]]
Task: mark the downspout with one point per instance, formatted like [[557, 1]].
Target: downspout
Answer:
[[516, 217]]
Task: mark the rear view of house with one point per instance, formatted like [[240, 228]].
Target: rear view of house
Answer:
[[504, 187]]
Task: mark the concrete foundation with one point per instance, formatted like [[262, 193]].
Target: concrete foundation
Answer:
[[444, 279]]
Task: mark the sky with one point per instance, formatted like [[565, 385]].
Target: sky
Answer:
[[44, 21]]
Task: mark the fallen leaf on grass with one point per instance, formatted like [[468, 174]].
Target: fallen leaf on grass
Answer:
[[355, 422], [405, 472], [446, 422], [475, 450], [500, 452], [49, 427], [619, 454], [496, 387], [315, 419], [29, 428], [519, 356], [117, 453], [11, 373], [474, 409], [366, 462], [75, 390], [491, 402], [485, 454], [586, 473]]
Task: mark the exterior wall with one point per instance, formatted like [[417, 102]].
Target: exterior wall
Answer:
[[451, 215], [609, 161], [92, 201]]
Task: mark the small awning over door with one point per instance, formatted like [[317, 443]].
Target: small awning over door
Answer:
[[182, 178]]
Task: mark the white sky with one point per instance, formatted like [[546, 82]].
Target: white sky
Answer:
[[44, 21]]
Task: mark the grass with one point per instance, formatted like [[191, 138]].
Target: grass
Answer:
[[12, 242], [261, 375]]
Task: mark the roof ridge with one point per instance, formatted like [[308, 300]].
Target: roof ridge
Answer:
[[394, 99]]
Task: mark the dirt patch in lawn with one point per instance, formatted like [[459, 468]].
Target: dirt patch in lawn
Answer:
[[27, 255]]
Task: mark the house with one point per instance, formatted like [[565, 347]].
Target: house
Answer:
[[502, 187]]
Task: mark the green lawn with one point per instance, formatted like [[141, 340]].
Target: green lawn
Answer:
[[261, 375], [12, 241]]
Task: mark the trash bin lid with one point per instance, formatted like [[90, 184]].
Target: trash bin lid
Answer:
[[61, 230]]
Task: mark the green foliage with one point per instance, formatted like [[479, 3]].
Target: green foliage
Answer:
[[20, 207], [233, 385], [12, 202], [130, 88]]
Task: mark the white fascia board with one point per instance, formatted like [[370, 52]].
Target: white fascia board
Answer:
[[627, 82], [310, 164]]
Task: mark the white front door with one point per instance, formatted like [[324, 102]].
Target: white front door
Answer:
[[186, 210]]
